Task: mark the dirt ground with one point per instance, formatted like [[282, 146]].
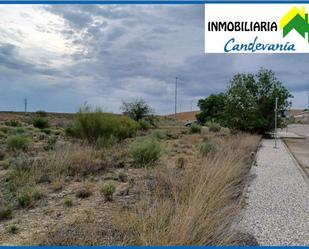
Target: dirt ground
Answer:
[[300, 147]]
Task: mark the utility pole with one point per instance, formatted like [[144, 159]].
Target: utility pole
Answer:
[[191, 105], [26, 104], [275, 132], [176, 83]]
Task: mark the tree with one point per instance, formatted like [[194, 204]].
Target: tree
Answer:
[[211, 108], [136, 109], [249, 102]]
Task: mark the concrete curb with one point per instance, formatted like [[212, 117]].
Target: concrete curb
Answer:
[[296, 163]]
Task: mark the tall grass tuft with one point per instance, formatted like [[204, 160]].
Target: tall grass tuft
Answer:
[[194, 206]]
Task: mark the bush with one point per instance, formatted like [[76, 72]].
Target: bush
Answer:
[[106, 142], [68, 202], [96, 124], [6, 212], [16, 131], [41, 113], [18, 142], [108, 190], [46, 131], [84, 192], [214, 127], [73, 130], [144, 125], [207, 147], [40, 123], [158, 134], [13, 123], [25, 198], [195, 128], [122, 176], [145, 152]]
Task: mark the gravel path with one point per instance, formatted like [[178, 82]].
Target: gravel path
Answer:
[[278, 199]]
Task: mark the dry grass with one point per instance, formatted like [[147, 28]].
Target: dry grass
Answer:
[[54, 166], [195, 205]]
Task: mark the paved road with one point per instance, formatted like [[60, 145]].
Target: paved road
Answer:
[[278, 199], [300, 147]]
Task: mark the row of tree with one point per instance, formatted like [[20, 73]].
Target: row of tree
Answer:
[[247, 104]]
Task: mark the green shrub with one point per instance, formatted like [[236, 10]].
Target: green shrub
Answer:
[[214, 127], [13, 229], [144, 125], [51, 142], [40, 123], [96, 124], [41, 113], [46, 131], [18, 142], [157, 134], [13, 123], [122, 176], [4, 129], [16, 131], [73, 130], [105, 142], [6, 212], [84, 192], [207, 147], [68, 202], [145, 152], [108, 190], [25, 198], [195, 128]]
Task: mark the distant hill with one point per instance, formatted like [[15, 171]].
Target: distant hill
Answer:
[[184, 116]]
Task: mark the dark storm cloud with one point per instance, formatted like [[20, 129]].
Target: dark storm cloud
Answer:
[[10, 59]]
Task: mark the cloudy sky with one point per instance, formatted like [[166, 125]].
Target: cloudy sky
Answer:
[[60, 56]]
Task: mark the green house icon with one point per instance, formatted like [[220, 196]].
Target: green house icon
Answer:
[[298, 23]]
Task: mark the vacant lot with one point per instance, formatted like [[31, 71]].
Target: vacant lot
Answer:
[[164, 185], [300, 147]]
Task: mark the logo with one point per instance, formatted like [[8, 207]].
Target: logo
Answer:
[[256, 28], [296, 20]]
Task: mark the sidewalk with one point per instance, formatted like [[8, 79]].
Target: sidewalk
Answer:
[[278, 199]]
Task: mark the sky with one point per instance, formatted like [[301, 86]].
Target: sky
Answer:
[[60, 57]]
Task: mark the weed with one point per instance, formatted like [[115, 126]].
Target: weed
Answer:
[[68, 202], [16, 131], [84, 192], [18, 142], [108, 190], [207, 147], [106, 142], [144, 125], [13, 229], [40, 123], [122, 176], [181, 162], [158, 134], [13, 123], [195, 128], [41, 113], [25, 198], [6, 212], [47, 131], [145, 152], [214, 127]]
